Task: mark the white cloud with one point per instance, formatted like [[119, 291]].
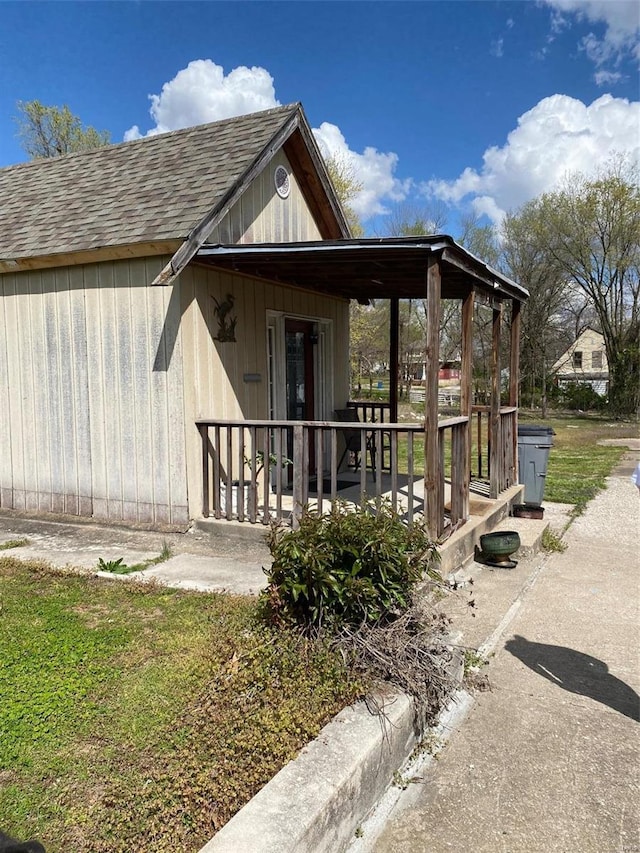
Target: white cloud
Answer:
[[373, 169], [621, 22], [559, 135], [201, 93], [606, 78], [497, 48]]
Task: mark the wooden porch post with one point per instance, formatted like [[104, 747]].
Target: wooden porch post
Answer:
[[394, 320], [433, 499], [495, 454], [514, 367], [514, 377], [466, 386]]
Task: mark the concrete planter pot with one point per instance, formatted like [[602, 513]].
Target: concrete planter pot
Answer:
[[498, 547]]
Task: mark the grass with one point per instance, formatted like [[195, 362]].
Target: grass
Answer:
[[578, 466], [118, 567], [142, 718], [13, 543]]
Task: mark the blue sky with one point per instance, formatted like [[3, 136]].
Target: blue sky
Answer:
[[476, 105]]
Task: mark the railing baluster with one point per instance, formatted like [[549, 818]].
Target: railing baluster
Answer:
[[319, 435], [206, 485], [216, 472], [229, 475], [410, 477], [266, 473], [393, 462], [279, 436], [334, 463], [299, 497], [241, 464]]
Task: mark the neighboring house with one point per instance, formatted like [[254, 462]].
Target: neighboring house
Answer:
[[174, 312], [585, 362]]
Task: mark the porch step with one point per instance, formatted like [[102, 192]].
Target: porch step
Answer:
[[530, 530], [460, 547]]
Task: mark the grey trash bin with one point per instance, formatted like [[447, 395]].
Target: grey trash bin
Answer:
[[534, 444]]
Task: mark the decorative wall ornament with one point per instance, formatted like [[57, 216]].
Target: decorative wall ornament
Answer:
[[226, 324]]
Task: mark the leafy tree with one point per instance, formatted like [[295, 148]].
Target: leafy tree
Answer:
[[590, 229], [347, 186], [544, 313], [369, 340], [52, 131]]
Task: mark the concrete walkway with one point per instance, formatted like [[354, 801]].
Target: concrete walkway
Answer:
[[549, 759], [225, 559]]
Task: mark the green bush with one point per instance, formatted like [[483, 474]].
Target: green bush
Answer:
[[349, 567], [580, 396]]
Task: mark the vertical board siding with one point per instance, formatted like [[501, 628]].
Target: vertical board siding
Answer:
[[214, 371], [91, 414], [261, 216]]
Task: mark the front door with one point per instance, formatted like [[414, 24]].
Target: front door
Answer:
[[300, 376]]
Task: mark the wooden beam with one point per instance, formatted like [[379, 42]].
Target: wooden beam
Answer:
[[494, 416], [514, 379], [466, 366], [514, 367], [394, 322], [90, 256], [433, 511], [466, 388]]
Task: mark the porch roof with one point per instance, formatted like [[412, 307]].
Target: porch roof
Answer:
[[372, 268]]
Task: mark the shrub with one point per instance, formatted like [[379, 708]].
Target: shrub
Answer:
[[581, 397], [349, 567]]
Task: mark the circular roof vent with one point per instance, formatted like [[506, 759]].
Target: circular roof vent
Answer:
[[282, 182]]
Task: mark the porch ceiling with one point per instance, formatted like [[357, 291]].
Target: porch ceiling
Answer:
[[365, 269]]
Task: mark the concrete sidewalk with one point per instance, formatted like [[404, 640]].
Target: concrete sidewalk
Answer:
[[225, 559], [549, 759]]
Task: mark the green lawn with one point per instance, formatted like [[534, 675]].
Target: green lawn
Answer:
[[578, 465], [142, 719]]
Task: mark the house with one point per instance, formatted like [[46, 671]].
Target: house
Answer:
[[585, 362], [174, 325]]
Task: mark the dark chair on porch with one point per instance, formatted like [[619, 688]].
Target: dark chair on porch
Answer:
[[353, 440]]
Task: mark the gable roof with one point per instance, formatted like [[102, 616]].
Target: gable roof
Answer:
[[152, 190], [590, 339]]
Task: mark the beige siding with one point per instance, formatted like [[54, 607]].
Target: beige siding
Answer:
[[588, 343], [214, 371], [91, 413], [261, 216]]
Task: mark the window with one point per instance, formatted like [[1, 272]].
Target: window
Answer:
[[577, 360], [596, 360]]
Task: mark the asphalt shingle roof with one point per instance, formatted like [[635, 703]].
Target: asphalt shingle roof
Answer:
[[151, 189]]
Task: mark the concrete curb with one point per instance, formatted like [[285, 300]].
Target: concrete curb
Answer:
[[317, 801], [345, 776]]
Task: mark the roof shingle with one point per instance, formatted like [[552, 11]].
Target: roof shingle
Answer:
[[156, 188]]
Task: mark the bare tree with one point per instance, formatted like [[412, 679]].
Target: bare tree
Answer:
[[590, 229]]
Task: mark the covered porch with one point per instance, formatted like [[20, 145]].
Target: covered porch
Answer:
[[257, 471]]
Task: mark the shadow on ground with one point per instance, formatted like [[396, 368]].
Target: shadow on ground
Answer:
[[577, 673]]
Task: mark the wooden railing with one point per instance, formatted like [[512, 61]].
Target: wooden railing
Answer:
[[261, 471], [371, 412], [496, 465]]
